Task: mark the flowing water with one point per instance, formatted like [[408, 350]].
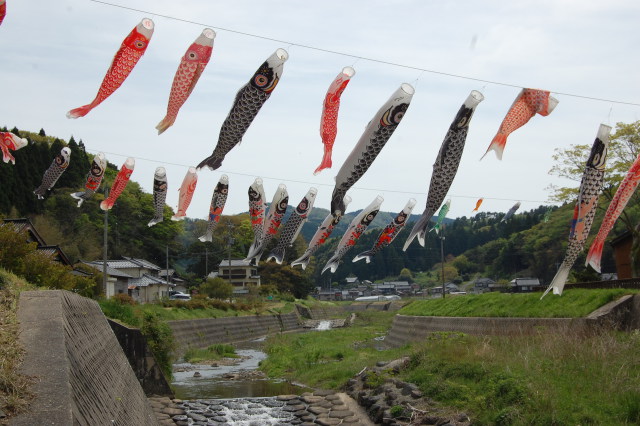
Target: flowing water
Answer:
[[323, 325], [213, 384]]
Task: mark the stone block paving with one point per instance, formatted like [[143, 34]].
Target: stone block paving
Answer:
[[322, 407]]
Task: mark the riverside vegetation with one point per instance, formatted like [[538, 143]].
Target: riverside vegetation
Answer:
[[546, 379], [14, 387]]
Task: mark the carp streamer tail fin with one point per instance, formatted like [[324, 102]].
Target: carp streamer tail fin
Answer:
[[595, 254], [366, 255], [80, 112], [557, 284], [497, 144]]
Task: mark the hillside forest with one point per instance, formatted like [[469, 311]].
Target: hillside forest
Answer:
[[530, 244]]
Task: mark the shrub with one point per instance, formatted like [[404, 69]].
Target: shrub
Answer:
[[160, 340], [123, 299]]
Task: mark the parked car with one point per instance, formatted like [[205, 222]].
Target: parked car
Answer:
[[179, 296]]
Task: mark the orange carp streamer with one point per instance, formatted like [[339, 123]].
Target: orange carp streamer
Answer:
[[528, 103]]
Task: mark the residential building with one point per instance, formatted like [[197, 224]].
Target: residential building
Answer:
[[525, 285], [33, 236], [179, 283], [351, 281], [240, 273], [138, 278], [482, 285], [622, 254]]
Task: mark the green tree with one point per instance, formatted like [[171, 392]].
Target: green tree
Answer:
[[217, 288], [405, 275], [624, 147]]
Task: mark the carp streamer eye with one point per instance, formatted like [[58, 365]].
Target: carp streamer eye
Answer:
[[398, 117], [283, 205], [192, 55], [261, 80], [139, 44]]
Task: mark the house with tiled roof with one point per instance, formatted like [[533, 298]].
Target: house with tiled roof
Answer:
[[54, 252], [138, 278]]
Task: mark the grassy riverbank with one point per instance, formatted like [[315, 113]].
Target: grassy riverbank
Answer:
[[14, 387], [546, 379], [572, 304]]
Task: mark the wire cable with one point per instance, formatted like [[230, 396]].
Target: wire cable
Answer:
[[357, 57]]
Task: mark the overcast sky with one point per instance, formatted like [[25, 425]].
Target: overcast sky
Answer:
[[55, 55]]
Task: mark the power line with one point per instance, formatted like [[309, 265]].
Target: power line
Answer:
[[364, 58]]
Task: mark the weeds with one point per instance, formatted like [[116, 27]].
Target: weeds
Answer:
[[212, 352], [14, 387]]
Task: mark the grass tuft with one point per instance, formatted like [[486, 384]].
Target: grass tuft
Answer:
[[14, 387]]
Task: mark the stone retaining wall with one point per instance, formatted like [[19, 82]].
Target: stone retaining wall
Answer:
[[620, 314], [200, 333], [82, 377], [141, 360]]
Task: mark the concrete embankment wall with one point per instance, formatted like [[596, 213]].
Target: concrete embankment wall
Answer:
[[141, 360], [330, 312], [620, 314], [82, 377], [200, 333]]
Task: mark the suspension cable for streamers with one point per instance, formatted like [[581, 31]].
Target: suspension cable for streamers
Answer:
[[277, 179], [364, 58]]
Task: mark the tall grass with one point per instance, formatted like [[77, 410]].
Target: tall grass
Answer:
[[572, 304], [14, 387], [547, 379]]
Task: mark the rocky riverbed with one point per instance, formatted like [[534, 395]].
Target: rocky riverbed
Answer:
[[321, 407]]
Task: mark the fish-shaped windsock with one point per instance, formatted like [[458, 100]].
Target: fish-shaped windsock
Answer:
[[53, 173], [186, 190], [257, 211], [94, 179], [528, 103], [122, 178], [218, 200], [9, 141], [511, 212], [478, 204], [3, 10], [585, 209], [357, 226], [441, 215], [293, 226], [322, 234], [246, 106], [191, 67], [375, 136], [389, 233], [446, 165], [329, 118], [131, 50], [618, 203], [272, 222], [160, 186]]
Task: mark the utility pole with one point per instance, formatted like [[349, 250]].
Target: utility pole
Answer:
[[230, 241], [104, 246], [206, 263], [167, 269], [442, 259]]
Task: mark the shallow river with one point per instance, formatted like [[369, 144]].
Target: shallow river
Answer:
[[211, 384]]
